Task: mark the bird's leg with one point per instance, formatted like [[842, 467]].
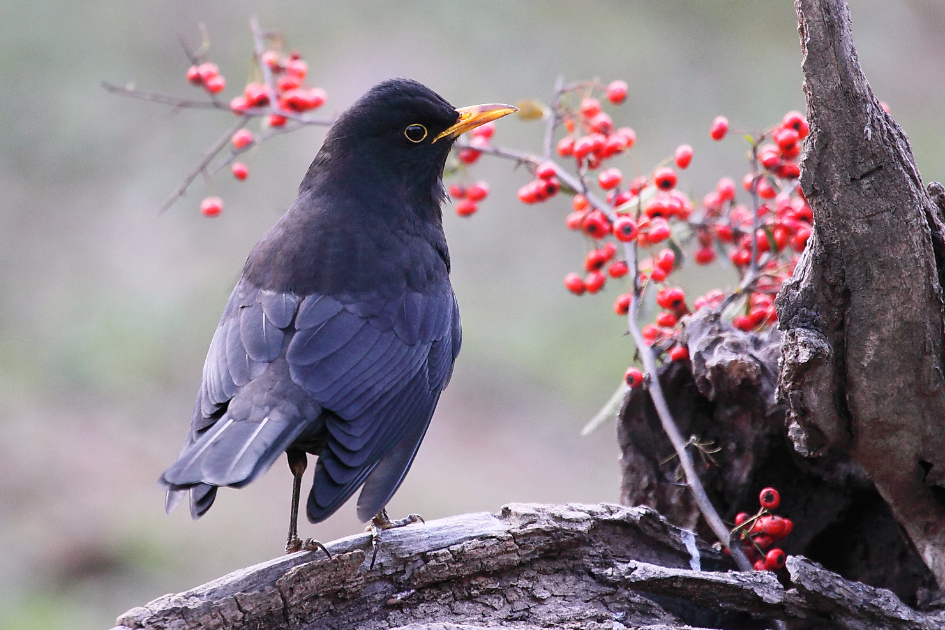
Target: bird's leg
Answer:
[[381, 521], [297, 464]]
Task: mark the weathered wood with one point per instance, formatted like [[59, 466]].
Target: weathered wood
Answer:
[[862, 320], [576, 566]]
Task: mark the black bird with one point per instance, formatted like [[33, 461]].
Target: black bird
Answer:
[[343, 329]]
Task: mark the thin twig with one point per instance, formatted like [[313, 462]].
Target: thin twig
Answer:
[[164, 99], [553, 118], [207, 158]]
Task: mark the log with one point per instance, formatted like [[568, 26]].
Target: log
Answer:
[[529, 566]]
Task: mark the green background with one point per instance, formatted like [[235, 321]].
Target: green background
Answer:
[[106, 308]]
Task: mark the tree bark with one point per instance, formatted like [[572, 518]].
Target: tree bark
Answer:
[[862, 319], [530, 566]]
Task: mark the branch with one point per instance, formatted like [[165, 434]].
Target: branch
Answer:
[[530, 566]]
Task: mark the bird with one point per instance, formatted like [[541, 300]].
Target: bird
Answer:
[[344, 328]]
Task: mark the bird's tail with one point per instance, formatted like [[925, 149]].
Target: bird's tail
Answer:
[[232, 452]]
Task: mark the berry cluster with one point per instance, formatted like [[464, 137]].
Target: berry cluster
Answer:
[[760, 532], [290, 94], [761, 236], [285, 96]]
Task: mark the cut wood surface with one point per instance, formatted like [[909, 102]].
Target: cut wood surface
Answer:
[[574, 566]]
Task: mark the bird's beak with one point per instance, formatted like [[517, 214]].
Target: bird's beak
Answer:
[[472, 117]]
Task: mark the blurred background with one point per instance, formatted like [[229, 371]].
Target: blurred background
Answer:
[[107, 309]]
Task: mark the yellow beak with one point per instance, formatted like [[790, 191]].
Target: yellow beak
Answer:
[[472, 117]]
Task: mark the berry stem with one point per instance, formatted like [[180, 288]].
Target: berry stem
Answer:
[[669, 425], [202, 165], [553, 118]]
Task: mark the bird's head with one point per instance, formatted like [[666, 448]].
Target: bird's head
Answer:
[[400, 132]]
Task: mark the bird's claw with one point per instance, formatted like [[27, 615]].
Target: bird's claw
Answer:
[[297, 544], [381, 522]]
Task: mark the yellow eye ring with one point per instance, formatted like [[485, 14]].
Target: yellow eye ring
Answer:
[[415, 133]]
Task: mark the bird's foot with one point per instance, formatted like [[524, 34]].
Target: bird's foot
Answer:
[[297, 544], [381, 522]]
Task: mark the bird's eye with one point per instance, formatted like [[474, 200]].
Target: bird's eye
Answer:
[[415, 133]]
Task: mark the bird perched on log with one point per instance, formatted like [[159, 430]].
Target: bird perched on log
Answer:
[[342, 331]]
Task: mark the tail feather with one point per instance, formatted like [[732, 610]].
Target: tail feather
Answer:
[[232, 453]]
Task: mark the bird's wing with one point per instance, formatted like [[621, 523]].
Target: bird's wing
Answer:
[[247, 410], [379, 365]]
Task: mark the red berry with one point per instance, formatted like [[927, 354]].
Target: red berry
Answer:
[[704, 255], [580, 202], [256, 94], [477, 191], [775, 559], [583, 147], [468, 155], [659, 230], [528, 193], [666, 319], [622, 304], [741, 517], [546, 170], [658, 274], [574, 220], [594, 281], [673, 299], [629, 136], [566, 146], [242, 139], [574, 283], [595, 259], [296, 67], [602, 123], [609, 178], [466, 207], [759, 565], [683, 155], [719, 128], [625, 229], [633, 377], [788, 170], [288, 82], [665, 260], [665, 178], [215, 84], [590, 107], [785, 137], [484, 131], [679, 353], [596, 224], [207, 71], [618, 269], [726, 189], [617, 92], [765, 189], [271, 59], [211, 206], [799, 240], [769, 498], [788, 527], [193, 75], [240, 171], [239, 105], [457, 191], [276, 120]]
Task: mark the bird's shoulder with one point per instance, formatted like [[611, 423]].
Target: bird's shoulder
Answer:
[[348, 247]]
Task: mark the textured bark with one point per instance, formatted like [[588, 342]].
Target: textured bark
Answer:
[[531, 566], [862, 320], [726, 399]]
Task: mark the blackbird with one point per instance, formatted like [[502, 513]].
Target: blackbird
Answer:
[[343, 329]]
